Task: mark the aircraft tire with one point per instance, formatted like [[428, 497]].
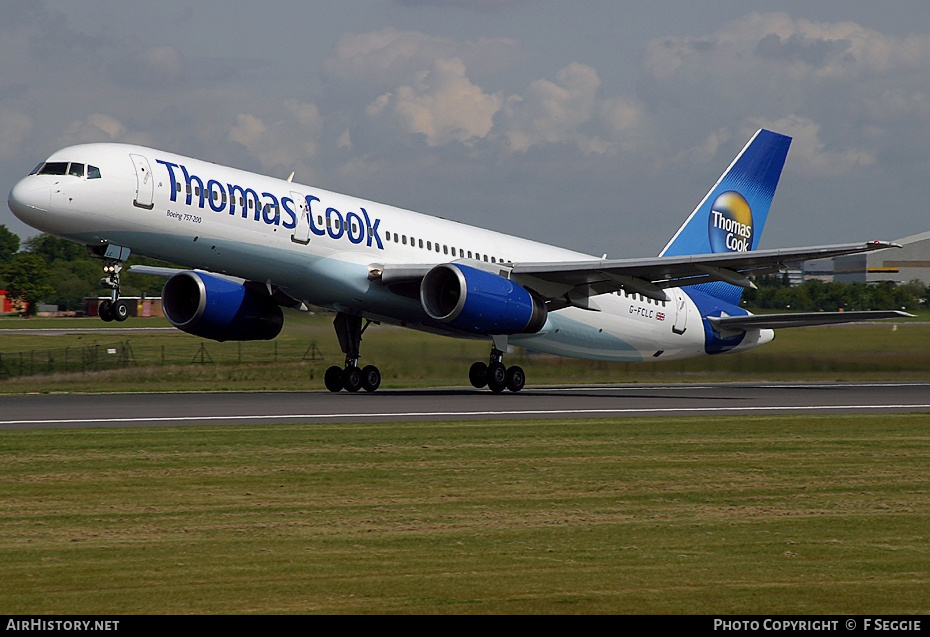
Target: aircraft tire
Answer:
[[105, 311], [333, 379], [352, 379], [371, 378], [497, 377], [478, 375], [516, 378], [120, 311]]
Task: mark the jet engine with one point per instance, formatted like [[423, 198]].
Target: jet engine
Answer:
[[480, 302], [217, 308]]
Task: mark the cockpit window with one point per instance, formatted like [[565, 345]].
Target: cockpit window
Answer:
[[54, 168], [74, 169]]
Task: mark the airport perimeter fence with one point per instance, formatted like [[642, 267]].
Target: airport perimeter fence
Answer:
[[94, 358]]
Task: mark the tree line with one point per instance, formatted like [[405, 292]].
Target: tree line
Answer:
[[58, 272], [46, 269], [775, 293]]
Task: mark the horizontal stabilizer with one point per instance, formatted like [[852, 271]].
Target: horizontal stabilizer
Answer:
[[800, 319]]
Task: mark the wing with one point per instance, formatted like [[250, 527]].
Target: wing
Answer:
[[565, 283], [573, 283]]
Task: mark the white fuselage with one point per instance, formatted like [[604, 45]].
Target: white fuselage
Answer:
[[243, 224]]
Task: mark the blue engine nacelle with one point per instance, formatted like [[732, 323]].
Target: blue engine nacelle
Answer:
[[217, 308], [480, 302]]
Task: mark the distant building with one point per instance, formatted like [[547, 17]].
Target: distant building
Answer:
[[821, 269], [11, 306], [899, 265]]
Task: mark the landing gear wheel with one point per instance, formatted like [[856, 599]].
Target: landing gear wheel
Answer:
[[120, 311], [516, 379], [333, 379], [478, 375], [371, 378], [497, 377], [352, 379], [105, 311]]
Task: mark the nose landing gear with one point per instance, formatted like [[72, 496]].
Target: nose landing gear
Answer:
[[114, 308], [114, 256]]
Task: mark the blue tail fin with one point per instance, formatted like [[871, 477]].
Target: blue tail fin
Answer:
[[732, 215]]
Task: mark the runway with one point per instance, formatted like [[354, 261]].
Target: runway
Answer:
[[463, 404]]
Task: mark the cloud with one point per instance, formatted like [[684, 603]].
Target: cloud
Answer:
[[392, 57], [100, 127], [569, 110], [15, 127], [846, 92], [465, 4], [428, 87], [810, 154], [289, 142], [788, 48], [443, 105]]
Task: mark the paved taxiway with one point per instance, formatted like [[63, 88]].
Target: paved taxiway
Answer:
[[120, 410]]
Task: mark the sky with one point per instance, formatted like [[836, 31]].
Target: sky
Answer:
[[593, 125]]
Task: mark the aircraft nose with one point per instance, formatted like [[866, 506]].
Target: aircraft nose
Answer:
[[29, 196]]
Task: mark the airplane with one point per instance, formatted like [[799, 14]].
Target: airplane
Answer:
[[256, 243]]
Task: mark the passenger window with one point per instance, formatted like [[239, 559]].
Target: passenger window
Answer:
[[76, 169]]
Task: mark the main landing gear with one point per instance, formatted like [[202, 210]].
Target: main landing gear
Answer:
[[114, 308], [495, 375], [349, 330]]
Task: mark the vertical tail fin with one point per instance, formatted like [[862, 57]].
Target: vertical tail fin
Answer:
[[732, 215]]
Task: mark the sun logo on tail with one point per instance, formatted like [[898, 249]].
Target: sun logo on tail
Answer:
[[729, 225]]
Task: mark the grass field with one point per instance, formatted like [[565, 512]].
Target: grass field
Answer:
[[812, 515], [761, 515], [172, 360]]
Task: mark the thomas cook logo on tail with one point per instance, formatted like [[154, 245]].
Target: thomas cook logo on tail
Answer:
[[729, 226]]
